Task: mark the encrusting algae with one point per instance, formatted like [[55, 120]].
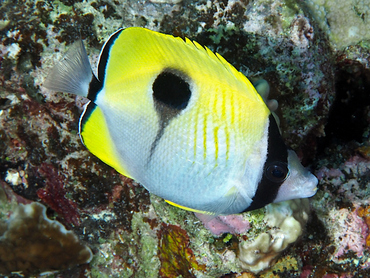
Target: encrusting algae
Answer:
[[177, 259]]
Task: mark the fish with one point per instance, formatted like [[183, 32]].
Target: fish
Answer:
[[183, 122]]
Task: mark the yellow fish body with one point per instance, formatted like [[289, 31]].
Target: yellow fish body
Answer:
[[183, 122]]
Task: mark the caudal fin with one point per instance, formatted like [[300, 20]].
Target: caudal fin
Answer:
[[72, 74]]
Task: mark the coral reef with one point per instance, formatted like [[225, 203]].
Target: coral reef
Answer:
[[344, 214], [54, 195], [177, 259], [345, 22], [232, 224], [31, 243], [268, 232], [315, 56], [286, 221]]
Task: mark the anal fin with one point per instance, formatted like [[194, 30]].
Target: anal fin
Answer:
[[96, 137]]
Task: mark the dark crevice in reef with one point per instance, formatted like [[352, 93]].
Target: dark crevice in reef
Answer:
[[350, 113]]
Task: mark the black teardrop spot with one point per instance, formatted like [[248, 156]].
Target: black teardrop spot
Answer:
[[171, 90]]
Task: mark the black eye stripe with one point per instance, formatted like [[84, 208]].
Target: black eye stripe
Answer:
[[277, 155]]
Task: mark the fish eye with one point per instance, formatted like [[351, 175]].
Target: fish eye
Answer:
[[277, 171]]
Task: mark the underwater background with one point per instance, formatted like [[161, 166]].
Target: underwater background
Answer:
[[64, 213]]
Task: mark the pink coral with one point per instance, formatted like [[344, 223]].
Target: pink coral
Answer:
[[233, 224], [349, 232]]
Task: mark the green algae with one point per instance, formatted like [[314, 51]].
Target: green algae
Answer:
[[147, 240]]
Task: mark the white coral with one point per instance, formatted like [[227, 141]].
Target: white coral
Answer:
[[286, 221]]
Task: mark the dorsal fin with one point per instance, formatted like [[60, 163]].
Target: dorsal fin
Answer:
[[141, 52]]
